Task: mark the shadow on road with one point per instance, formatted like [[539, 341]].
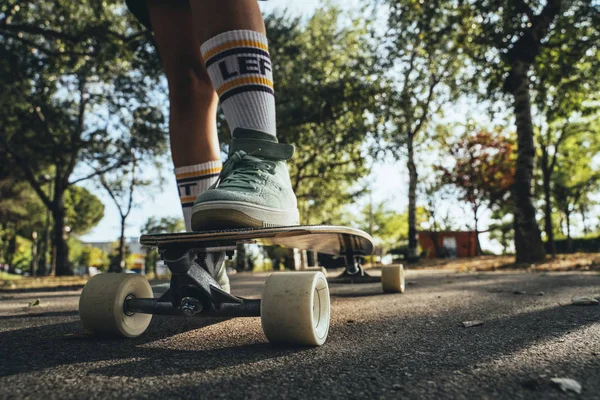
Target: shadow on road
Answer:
[[67, 343], [42, 314]]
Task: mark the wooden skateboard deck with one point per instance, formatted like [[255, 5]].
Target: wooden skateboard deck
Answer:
[[328, 239]]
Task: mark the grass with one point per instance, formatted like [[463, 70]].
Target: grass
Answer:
[[5, 276]]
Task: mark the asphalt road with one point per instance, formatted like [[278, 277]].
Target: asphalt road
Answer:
[[410, 345]]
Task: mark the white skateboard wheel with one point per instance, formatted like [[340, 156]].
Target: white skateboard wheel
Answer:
[[101, 305], [392, 278], [295, 308]]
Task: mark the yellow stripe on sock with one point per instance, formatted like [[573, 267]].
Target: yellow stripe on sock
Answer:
[[200, 173], [244, 81], [232, 44]]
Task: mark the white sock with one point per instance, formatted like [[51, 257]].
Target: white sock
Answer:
[[239, 67], [193, 180]]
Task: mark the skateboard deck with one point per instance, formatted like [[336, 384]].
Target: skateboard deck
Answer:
[[327, 239]]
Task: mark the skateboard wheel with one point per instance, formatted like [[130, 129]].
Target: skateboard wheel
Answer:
[[295, 308], [392, 278], [101, 305]]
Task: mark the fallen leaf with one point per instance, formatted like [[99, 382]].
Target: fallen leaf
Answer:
[[567, 384], [468, 324], [519, 292], [36, 302], [584, 301]]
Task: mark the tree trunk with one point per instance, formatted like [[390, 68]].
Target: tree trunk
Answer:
[[583, 212], [412, 201], [504, 242], [569, 240], [477, 244], [121, 251], [548, 203], [45, 247], [11, 251], [34, 254], [436, 245], [528, 241], [60, 260]]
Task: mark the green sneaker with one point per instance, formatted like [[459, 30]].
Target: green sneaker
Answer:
[[253, 189]]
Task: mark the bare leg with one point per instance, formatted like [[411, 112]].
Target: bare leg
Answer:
[[193, 101], [212, 17]]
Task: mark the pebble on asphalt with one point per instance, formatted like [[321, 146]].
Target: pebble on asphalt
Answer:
[[584, 301], [567, 384], [468, 324]]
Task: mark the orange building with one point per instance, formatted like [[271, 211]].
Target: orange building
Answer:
[[449, 244]]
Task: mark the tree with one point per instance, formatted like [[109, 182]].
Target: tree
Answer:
[[505, 41], [483, 170], [575, 177], [567, 103], [434, 194], [501, 228], [71, 83], [122, 185], [83, 210], [424, 59]]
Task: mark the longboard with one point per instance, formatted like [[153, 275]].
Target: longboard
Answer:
[[327, 239], [294, 307]]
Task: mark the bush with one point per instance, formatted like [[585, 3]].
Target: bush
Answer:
[[578, 245]]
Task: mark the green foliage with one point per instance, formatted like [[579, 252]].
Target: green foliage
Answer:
[[74, 101], [93, 257], [84, 210], [22, 256], [551, 36], [426, 64], [575, 177], [387, 227], [162, 225], [584, 245]]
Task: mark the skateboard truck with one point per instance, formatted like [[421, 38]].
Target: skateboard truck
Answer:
[[193, 289], [354, 272]]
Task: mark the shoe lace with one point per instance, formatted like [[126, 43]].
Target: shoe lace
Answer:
[[242, 170]]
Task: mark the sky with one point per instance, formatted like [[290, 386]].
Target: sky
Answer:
[[389, 177]]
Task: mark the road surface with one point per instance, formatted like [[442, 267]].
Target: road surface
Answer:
[[410, 345]]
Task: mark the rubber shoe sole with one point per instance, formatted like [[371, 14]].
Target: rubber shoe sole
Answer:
[[235, 215]]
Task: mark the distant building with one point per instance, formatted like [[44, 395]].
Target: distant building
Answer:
[[450, 244]]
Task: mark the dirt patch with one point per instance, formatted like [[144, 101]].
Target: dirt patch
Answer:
[[46, 282], [562, 262]]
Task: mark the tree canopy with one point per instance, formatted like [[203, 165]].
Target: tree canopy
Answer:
[[79, 89]]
